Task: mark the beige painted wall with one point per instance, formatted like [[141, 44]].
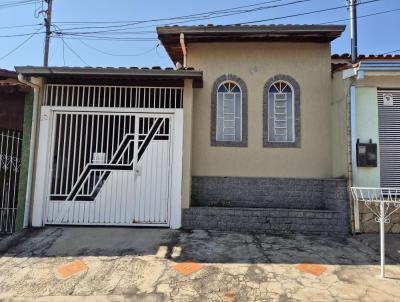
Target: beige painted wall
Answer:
[[340, 127], [255, 63]]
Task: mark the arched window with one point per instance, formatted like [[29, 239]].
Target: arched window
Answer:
[[229, 112], [281, 113]]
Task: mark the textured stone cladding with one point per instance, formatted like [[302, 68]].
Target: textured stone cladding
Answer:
[[269, 205], [369, 225], [270, 221], [260, 192]]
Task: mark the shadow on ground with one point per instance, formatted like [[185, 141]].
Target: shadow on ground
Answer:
[[199, 246]]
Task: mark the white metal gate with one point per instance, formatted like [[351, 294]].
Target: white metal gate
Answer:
[[10, 160], [109, 168], [109, 155], [389, 137]]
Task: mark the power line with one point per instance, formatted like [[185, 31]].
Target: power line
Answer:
[[200, 18], [364, 16], [16, 3], [228, 14], [88, 35], [306, 13], [19, 45], [118, 55], [20, 26], [75, 53], [392, 51], [172, 18], [22, 35]]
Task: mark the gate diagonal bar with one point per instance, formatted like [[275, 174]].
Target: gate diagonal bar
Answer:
[[383, 203], [114, 164]]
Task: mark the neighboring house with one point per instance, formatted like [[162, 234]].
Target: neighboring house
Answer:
[[14, 108], [245, 139], [373, 87]]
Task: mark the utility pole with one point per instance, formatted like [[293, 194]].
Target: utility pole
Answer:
[[47, 22], [353, 28]]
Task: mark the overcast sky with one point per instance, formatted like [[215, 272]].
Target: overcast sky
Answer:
[[136, 44]]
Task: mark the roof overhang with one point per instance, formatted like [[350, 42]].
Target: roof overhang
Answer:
[[144, 74], [170, 35], [10, 79], [373, 69], [109, 72]]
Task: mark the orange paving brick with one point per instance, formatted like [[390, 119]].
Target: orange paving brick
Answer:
[[187, 268], [229, 297], [314, 269], [72, 268]]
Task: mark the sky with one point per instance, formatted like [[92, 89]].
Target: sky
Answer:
[[81, 38]]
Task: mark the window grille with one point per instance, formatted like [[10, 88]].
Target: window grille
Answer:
[[113, 96], [281, 113], [229, 112]]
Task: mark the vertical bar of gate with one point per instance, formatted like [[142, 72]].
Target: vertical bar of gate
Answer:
[[382, 231], [51, 96], [75, 127], [3, 159], [136, 215], [16, 173], [85, 142], [5, 175], [10, 204], [68, 152]]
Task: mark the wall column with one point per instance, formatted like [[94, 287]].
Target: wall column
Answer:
[[367, 127], [23, 174], [187, 142]]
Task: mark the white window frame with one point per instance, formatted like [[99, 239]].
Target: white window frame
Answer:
[[273, 110], [234, 113]]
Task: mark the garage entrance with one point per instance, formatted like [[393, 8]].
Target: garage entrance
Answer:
[[110, 155]]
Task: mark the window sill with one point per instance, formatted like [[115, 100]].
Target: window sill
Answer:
[[228, 144], [281, 145]]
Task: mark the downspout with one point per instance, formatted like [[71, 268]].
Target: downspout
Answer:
[[353, 155], [35, 87], [184, 50]]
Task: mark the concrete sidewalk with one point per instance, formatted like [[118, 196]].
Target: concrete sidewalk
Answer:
[[132, 264]]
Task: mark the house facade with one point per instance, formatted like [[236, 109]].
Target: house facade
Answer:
[[373, 88], [250, 135]]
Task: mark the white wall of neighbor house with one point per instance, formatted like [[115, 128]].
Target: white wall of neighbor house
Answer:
[[367, 127], [309, 64], [368, 121]]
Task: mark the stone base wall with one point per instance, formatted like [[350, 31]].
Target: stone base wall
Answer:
[[263, 192], [270, 221], [369, 225]]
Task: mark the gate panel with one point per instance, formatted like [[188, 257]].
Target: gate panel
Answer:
[[98, 161], [10, 158]]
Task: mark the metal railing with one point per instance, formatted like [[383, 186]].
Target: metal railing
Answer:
[[113, 96], [10, 159], [382, 202]]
